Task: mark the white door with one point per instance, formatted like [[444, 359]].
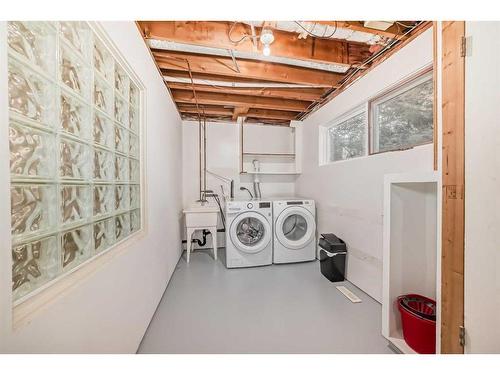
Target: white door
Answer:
[[250, 232], [295, 227], [482, 188]]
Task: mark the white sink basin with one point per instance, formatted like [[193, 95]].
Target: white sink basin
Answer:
[[201, 216], [200, 208]]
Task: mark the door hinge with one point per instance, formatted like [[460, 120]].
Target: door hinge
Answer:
[[461, 335], [463, 46]]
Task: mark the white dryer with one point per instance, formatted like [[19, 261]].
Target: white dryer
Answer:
[[249, 240], [294, 230]]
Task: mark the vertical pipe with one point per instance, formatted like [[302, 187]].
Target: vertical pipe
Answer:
[[199, 152], [204, 155]]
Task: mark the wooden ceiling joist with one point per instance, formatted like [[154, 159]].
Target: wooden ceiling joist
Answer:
[[227, 111], [212, 98], [391, 33], [243, 83], [258, 70], [286, 44], [307, 94]]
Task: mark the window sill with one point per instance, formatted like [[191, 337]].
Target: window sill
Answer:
[[325, 164], [25, 311]]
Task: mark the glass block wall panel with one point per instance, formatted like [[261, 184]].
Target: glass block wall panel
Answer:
[[75, 159], [122, 197], [135, 196], [133, 145], [103, 130], [77, 35], [33, 43], [73, 72], [134, 170], [103, 164], [74, 145], [104, 203], [30, 95], [122, 226], [103, 96], [104, 234], [133, 119], [121, 111], [31, 152], [33, 208], [121, 82], [135, 220], [75, 245], [103, 61], [121, 139], [121, 168], [74, 116], [75, 203], [34, 264]]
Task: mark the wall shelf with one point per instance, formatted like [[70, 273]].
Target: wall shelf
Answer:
[[270, 173], [269, 155], [277, 149]]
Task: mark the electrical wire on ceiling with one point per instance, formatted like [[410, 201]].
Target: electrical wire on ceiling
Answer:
[[345, 80], [402, 24], [315, 35], [239, 40]]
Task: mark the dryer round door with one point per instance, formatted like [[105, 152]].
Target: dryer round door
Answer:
[[295, 227], [250, 232]]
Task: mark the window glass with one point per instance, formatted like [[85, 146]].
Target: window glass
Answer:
[[347, 139], [404, 118]]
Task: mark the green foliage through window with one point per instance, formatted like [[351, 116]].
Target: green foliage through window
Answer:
[[347, 139], [404, 120]]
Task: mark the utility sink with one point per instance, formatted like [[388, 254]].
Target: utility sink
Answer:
[[201, 216]]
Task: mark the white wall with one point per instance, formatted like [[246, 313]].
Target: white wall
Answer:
[[110, 310], [482, 187], [223, 151], [349, 194]]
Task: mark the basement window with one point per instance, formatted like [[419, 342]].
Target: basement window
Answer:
[[403, 117], [346, 137]]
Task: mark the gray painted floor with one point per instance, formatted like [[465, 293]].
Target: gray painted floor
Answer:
[[288, 308]]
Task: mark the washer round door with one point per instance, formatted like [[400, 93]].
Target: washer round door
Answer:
[[250, 232], [295, 227]]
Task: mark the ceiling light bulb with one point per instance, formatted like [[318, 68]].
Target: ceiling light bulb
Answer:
[[266, 36], [266, 50]]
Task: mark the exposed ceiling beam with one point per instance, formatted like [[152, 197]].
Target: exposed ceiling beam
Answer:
[[358, 26], [286, 44], [207, 109], [212, 77], [237, 84], [167, 45], [240, 111], [419, 29], [212, 110], [271, 114], [307, 94], [183, 96], [247, 69]]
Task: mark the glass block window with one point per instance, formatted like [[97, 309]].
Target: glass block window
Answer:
[[403, 118], [74, 150], [346, 137]]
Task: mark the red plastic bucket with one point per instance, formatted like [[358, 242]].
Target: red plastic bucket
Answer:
[[418, 317]]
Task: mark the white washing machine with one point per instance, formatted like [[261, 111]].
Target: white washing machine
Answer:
[[249, 239], [294, 230]]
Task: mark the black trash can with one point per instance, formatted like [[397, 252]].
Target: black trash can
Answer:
[[332, 257]]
